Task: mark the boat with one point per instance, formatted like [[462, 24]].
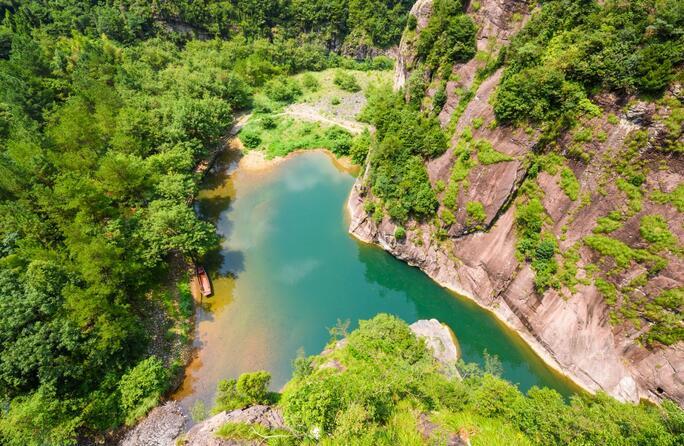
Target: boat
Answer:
[[204, 282]]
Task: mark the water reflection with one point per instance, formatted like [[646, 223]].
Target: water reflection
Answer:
[[287, 269]]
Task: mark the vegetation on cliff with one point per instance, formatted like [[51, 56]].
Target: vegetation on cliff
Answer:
[[382, 386], [572, 48]]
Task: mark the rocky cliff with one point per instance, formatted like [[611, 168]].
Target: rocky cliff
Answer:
[[575, 327]]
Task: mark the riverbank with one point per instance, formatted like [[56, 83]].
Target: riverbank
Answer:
[[256, 160]]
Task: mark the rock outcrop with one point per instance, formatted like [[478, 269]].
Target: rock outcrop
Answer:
[[570, 328], [160, 428], [421, 10], [441, 341], [204, 433]]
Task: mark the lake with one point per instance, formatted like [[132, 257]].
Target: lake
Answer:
[[288, 270]]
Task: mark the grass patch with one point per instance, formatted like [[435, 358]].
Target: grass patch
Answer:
[[487, 431], [476, 213], [569, 183], [249, 432], [675, 198], [291, 134], [623, 254], [611, 222], [486, 153]]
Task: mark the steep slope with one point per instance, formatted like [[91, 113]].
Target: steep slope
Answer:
[[597, 322]]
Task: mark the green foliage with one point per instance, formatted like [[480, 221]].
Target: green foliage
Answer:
[[665, 313], [676, 197], [310, 82], [249, 389], [608, 224], [448, 218], [251, 140], [248, 432], [654, 229], [534, 246], [623, 254], [198, 411], [385, 363], [390, 378], [476, 212], [340, 140], [360, 146], [288, 134], [440, 98], [283, 89], [346, 81], [142, 387], [449, 36], [404, 138], [486, 154], [551, 66], [569, 183], [400, 233]]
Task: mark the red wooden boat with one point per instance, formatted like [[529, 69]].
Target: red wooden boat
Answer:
[[204, 282]]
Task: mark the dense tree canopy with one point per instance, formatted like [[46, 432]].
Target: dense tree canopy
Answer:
[[106, 107], [572, 48]]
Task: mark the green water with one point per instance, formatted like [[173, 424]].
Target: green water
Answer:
[[289, 270]]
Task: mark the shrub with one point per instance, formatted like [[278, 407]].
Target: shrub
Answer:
[[346, 81], [335, 101], [449, 36], [249, 389], [268, 122], [486, 153], [283, 89], [569, 183], [654, 229], [251, 140], [339, 139], [310, 82], [610, 223], [476, 212], [439, 98], [142, 387], [447, 218], [412, 22], [676, 197], [360, 147], [400, 233]]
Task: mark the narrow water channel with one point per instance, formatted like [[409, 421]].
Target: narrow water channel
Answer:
[[288, 270]]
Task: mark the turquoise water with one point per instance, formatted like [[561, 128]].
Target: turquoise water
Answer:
[[289, 270]]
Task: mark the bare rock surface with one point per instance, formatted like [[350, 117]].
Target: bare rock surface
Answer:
[[204, 433], [421, 10], [160, 428], [432, 432], [440, 340]]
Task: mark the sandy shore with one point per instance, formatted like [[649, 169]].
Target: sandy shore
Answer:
[[255, 160]]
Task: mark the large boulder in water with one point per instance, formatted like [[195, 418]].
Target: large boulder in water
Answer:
[[440, 340]]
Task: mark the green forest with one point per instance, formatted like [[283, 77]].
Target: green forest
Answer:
[[108, 106]]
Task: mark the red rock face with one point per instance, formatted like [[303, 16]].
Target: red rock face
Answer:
[[571, 329]]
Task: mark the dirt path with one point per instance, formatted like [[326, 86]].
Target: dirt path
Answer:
[[308, 112]]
